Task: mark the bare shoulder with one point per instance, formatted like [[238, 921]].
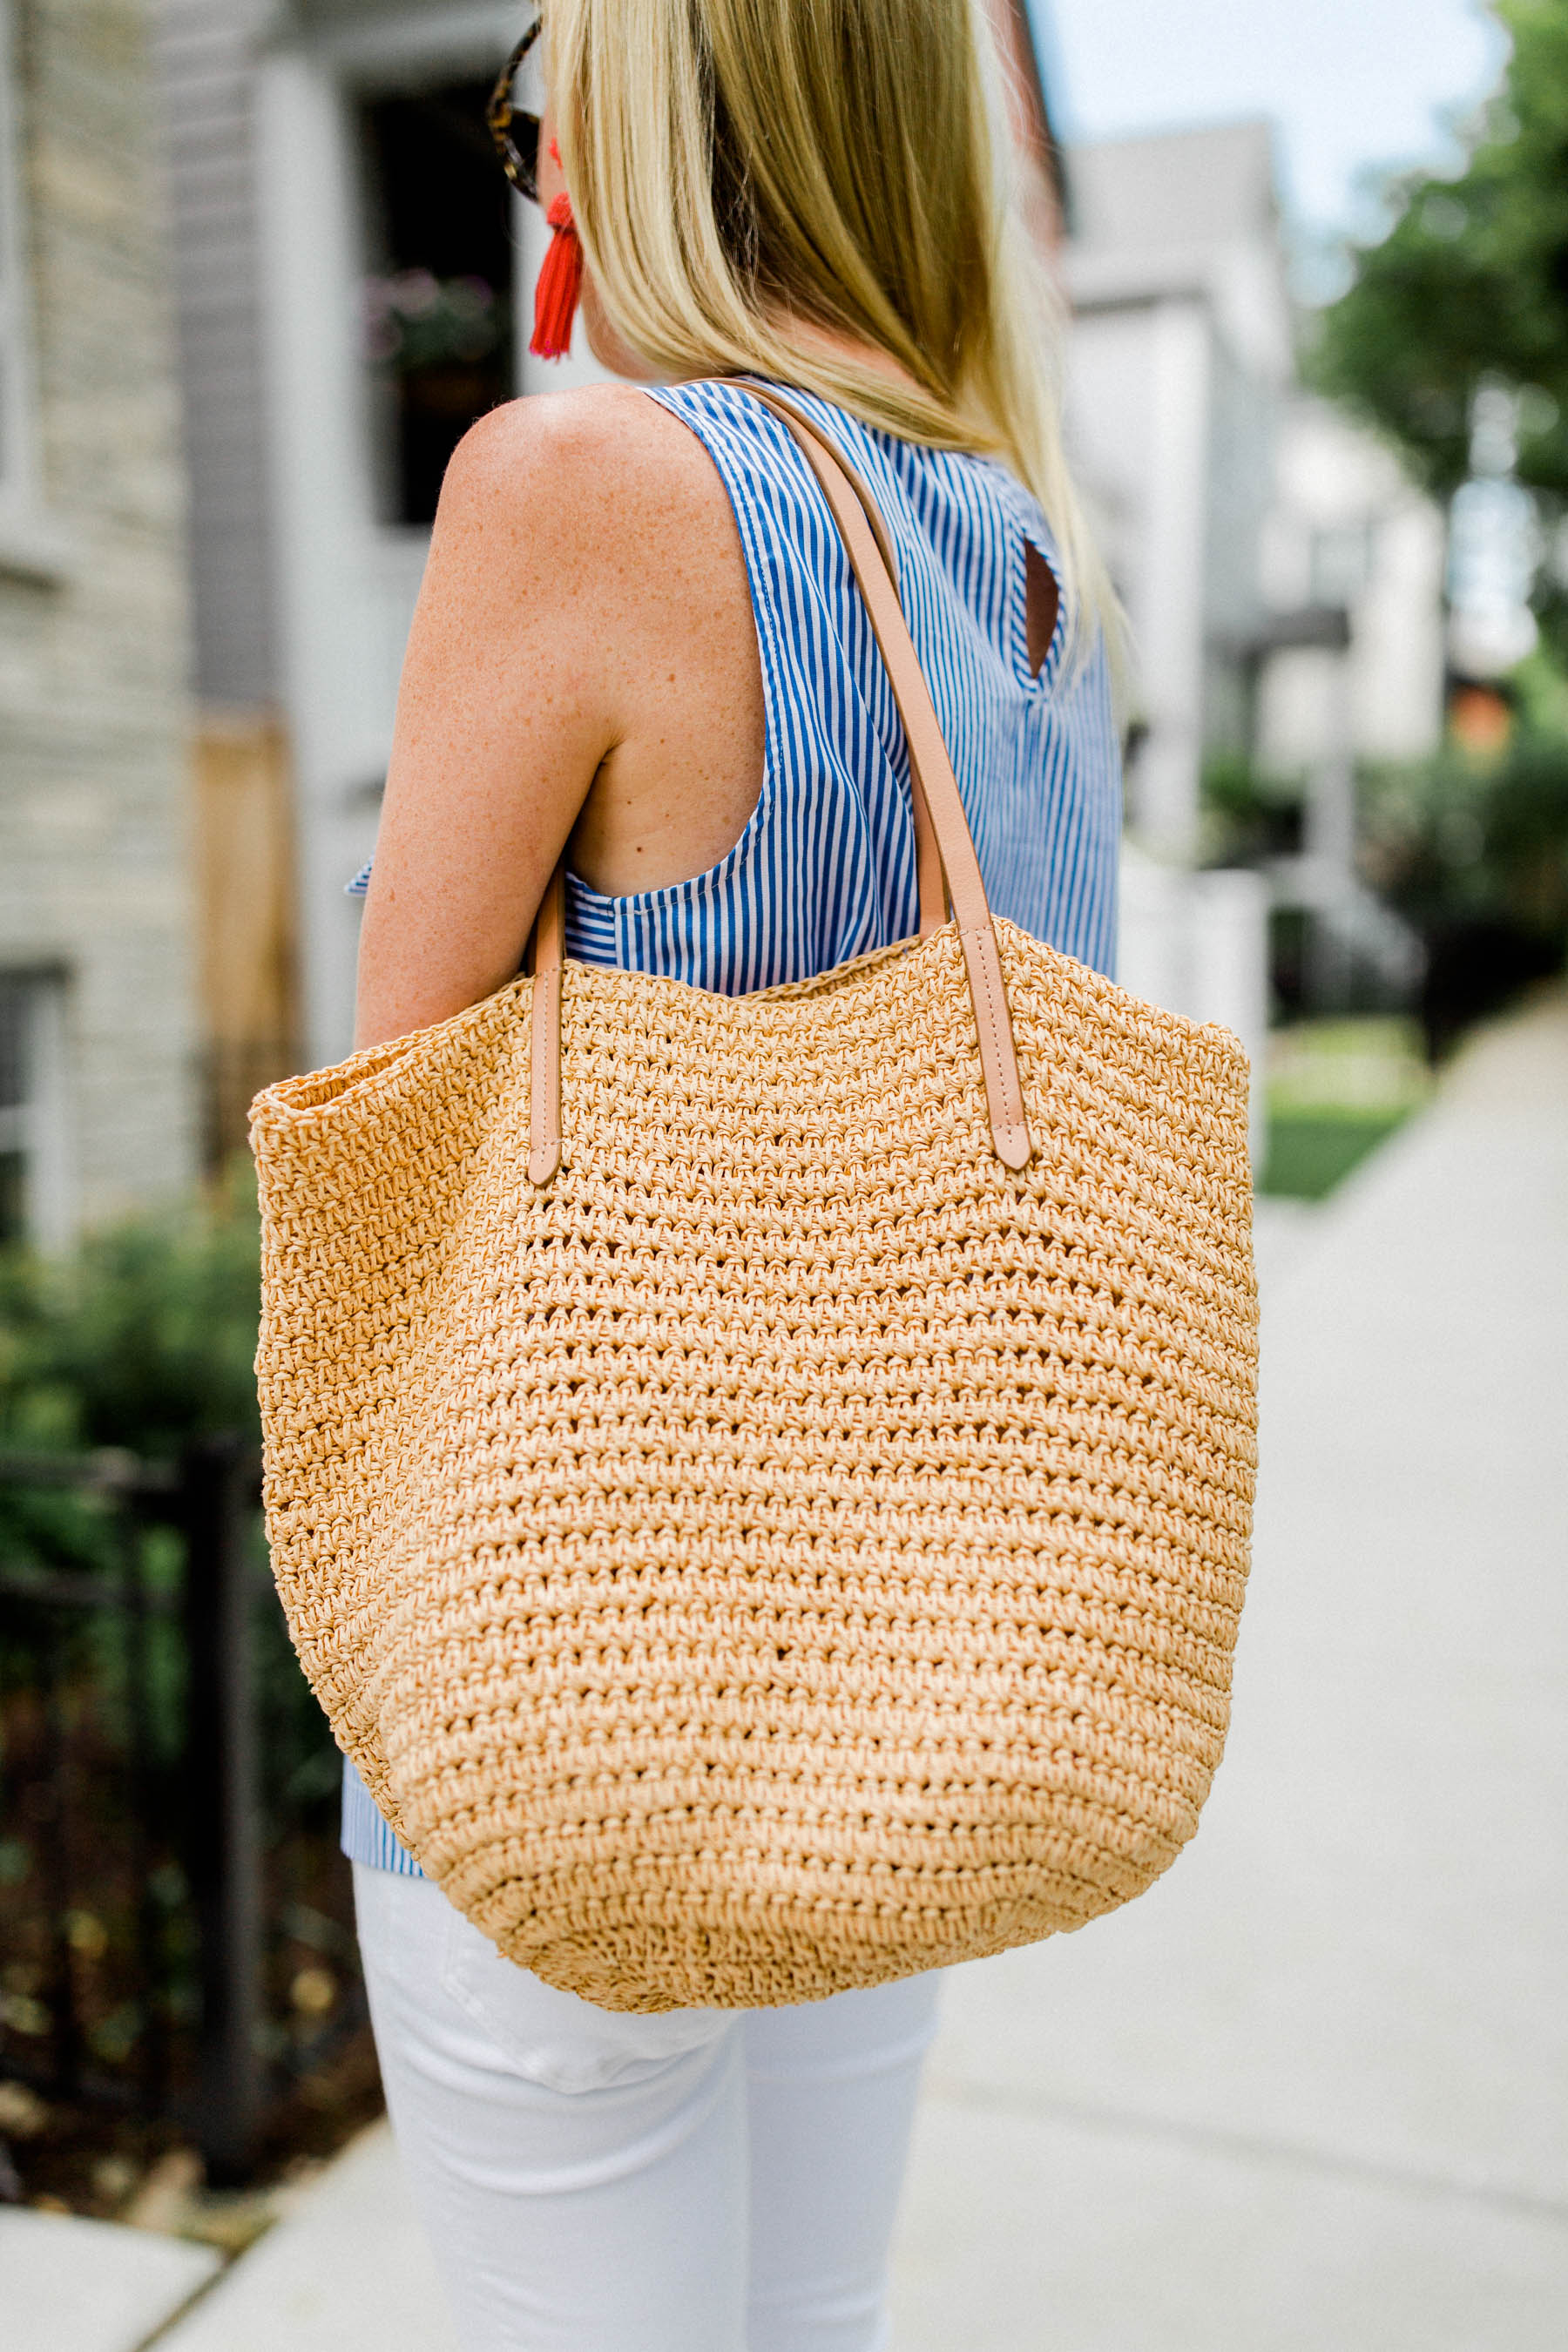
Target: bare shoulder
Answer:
[[577, 475], [587, 606]]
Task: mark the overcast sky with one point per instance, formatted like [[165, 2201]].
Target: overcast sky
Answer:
[[1348, 83]]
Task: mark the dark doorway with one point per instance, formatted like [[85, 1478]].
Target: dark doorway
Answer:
[[438, 295]]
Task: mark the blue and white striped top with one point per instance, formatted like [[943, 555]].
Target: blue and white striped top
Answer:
[[825, 870]]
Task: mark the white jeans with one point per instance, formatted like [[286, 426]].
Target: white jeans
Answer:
[[708, 2180]]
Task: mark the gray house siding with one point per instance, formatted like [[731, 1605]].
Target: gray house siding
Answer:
[[204, 55], [95, 903]]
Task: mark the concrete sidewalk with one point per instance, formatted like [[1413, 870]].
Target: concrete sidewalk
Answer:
[[69, 2284], [1312, 2091], [1310, 2095], [347, 2271]]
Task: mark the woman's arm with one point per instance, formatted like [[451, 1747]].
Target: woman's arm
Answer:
[[503, 714], [582, 649]]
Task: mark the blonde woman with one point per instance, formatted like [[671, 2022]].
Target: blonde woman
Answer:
[[638, 638]]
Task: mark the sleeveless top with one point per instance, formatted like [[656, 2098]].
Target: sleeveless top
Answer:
[[825, 868]]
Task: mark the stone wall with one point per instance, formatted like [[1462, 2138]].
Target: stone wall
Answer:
[[95, 714]]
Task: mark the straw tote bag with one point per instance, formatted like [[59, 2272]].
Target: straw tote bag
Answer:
[[761, 1485]]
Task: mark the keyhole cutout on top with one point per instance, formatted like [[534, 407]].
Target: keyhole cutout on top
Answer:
[[1042, 603]]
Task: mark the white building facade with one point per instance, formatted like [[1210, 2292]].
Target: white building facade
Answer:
[[1283, 582]]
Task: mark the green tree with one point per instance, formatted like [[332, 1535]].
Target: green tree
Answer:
[[1472, 282], [1469, 289]]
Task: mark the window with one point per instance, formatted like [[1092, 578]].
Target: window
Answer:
[[36, 1204], [437, 291]]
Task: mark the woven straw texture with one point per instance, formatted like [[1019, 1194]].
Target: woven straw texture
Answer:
[[788, 1550]]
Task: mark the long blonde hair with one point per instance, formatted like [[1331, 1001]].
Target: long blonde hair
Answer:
[[740, 165]]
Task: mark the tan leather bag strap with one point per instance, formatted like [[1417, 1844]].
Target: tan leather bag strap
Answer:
[[930, 770], [544, 1034], [944, 841], [832, 469]]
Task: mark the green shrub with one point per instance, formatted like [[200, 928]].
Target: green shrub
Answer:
[[142, 1342], [145, 1339], [1247, 817], [1462, 839]]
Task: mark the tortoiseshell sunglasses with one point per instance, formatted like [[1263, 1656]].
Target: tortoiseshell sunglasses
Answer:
[[514, 131]]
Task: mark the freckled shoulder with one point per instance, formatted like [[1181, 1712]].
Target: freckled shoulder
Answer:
[[598, 471]]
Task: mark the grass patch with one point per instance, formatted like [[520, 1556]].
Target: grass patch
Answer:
[[1336, 1090], [1310, 1152]]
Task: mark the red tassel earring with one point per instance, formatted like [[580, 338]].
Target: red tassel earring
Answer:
[[560, 284], [560, 281]]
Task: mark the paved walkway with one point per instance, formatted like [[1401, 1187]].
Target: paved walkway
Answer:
[[347, 2271], [68, 2284], [1310, 2095]]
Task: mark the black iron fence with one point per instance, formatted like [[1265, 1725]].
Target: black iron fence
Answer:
[[173, 1928]]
